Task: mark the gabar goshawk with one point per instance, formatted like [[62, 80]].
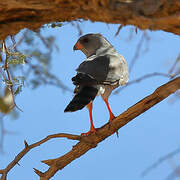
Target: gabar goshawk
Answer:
[[100, 73]]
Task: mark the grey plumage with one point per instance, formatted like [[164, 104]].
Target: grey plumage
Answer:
[[106, 69], [102, 71]]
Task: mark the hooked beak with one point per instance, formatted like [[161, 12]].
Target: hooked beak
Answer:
[[77, 46]]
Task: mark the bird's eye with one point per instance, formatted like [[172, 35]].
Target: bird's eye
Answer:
[[86, 40]]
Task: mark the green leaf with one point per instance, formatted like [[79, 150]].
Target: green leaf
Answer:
[[17, 61], [15, 80], [18, 90], [8, 82]]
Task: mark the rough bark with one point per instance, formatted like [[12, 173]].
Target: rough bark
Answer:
[[144, 14]]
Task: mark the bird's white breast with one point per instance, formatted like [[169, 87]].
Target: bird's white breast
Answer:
[[101, 90]]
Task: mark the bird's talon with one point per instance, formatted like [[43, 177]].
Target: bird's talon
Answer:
[[112, 117], [89, 132]]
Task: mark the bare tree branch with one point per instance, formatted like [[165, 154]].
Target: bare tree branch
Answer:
[[28, 147], [82, 147], [88, 142]]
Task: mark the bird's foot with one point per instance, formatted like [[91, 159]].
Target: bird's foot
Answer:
[[91, 131], [110, 120], [112, 116]]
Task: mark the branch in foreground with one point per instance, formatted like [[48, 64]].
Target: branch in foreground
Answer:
[[82, 147], [27, 148], [88, 142]]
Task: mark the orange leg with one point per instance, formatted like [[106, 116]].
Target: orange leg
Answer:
[[109, 109], [92, 128], [110, 112]]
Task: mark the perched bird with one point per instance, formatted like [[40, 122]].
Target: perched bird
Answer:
[[102, 71]]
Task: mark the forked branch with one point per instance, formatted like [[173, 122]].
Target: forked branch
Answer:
[[28, 147], [88, 142]]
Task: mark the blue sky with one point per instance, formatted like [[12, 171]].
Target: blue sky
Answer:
[[141, 142]]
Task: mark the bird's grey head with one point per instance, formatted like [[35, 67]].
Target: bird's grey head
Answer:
[[91, 44]]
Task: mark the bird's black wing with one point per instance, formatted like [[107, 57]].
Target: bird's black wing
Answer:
[[105, 69]]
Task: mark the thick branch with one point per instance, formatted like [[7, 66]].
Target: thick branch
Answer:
[[82, 147], [146, 14]]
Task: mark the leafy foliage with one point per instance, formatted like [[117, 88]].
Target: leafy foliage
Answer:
[[26, 62]]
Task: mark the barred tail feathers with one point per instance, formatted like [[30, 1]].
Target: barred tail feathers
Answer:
[[83, 97]]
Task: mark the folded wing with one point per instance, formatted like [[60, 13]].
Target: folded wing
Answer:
[[106, 69], [102, 70]]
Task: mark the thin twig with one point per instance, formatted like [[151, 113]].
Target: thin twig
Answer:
[[146, 76], [9, 78], [174, 65], [53, 80], [43, 40], [15, 44], [77, 26], [118, 30], [138, 48], [56, 81]]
